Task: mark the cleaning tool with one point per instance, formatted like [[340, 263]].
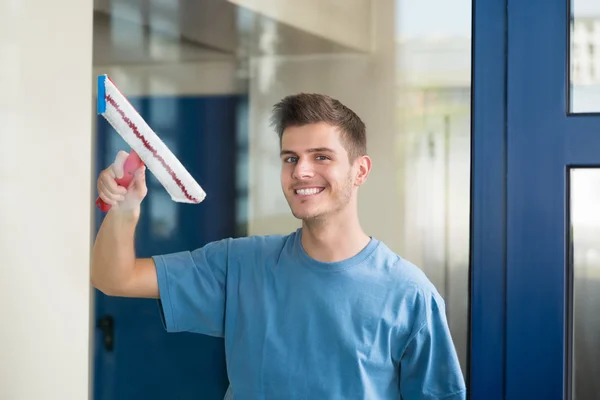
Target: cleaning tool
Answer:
[[147, 148]]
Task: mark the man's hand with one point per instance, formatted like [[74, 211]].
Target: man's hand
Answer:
[[121, 198]]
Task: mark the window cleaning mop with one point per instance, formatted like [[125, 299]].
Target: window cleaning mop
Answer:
[[147, 148]]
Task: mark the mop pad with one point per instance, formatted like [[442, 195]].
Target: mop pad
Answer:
[[147, 148]]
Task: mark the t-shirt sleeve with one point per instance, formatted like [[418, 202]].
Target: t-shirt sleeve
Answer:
[[429, 366], [192, 289]]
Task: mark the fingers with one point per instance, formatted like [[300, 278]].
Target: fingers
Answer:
[[108, 189], [113, 191], [114, 194], [109, 194], [139, 178], [108, 183], [108, 197], [117, 165], [140, 174]]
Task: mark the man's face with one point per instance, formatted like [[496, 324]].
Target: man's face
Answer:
[[316, 175]]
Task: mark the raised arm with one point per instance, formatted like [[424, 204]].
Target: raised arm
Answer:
[[115, 269]]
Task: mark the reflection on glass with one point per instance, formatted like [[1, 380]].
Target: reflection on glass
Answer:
[[413, 91], [403, 65], [585, 258], [585, 56], [163, 214], [163, 113], [242, 173], [433, 135]]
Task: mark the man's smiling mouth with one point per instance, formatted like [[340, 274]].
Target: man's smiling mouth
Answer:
[[309, 191]]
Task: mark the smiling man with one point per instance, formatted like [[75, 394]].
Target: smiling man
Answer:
[[326, 312]]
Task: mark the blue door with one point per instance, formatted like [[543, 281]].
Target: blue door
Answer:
[[536, 147], [134, 357]]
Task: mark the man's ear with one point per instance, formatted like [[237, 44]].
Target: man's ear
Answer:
[[364, 168]]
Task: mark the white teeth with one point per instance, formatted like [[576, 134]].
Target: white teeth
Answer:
[[306, 192]]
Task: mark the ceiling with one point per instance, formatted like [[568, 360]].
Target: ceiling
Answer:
[[145, 32]]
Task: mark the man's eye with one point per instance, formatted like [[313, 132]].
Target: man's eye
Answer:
[[290, 159], [322, 158]]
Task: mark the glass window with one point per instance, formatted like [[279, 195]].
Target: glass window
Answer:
[[585, 282], [585, 56], [433, 53], [404, 66], [412, 88]]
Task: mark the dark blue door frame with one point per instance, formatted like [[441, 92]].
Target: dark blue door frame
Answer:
[[524, 141], [485, 375]]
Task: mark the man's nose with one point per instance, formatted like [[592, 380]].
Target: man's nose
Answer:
[[303, 170]]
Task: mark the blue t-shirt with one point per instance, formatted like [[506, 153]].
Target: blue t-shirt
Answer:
[[370, 327]]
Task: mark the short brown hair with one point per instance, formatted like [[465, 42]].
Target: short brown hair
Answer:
[[309, 108]]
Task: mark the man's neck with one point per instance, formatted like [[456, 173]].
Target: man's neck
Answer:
[[333, 239]]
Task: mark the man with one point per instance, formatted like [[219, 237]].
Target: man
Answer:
[[326, 312]]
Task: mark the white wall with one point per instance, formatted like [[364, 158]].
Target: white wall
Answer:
[[45, 198]]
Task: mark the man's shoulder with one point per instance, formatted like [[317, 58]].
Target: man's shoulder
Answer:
[[406, 276]]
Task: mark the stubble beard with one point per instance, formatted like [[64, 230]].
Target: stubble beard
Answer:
[[337, 204]]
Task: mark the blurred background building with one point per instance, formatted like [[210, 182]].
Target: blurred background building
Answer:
[[585, 61]]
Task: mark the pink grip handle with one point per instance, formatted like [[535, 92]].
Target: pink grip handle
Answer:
[[132, 163]]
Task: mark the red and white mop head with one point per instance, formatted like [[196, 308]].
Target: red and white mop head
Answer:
[[146, 147]]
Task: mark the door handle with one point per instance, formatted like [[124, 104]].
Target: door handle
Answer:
[[106, 324]]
